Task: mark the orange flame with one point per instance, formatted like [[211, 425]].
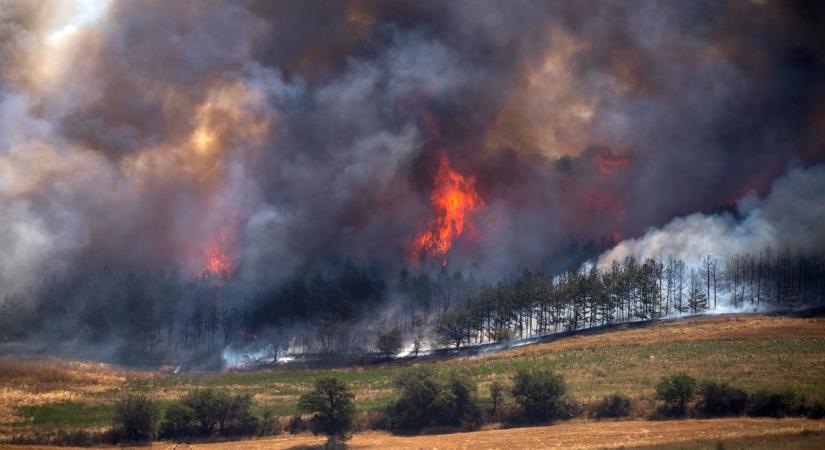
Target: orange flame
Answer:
[[217, 261], [453, 199]]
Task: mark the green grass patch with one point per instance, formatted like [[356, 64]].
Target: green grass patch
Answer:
[[65, 415]]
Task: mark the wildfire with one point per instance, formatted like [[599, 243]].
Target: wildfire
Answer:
[[217, 261], [453, 199]]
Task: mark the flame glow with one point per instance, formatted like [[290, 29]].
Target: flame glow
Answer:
[[453, 200]]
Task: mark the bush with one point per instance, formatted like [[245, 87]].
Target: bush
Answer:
[[612, 406], [721, 399], [413, 408], [206, 412], [456, 404], [178, 422], [816, 411], [136, 418], [296, 425], [424, 401], [330, 401], [676, 391], [270, 425], [539, 393], [496, 398], [772, 404]]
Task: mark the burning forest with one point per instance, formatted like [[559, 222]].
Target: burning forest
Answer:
[[201, 183]]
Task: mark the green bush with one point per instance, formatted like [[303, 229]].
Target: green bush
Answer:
[[136, 418], [330, 402], [457, 404], [424, 401], [721, 399], [676, 391], [540, 394], [612, 406], [178, 422], [206, 412]]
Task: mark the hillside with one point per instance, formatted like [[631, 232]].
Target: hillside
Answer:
[[751, 351]]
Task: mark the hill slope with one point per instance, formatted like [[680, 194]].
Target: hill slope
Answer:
[[751, 351]]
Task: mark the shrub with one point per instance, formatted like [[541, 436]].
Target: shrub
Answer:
[[413, 408], [330, 401], [178, 422], [136, 418], [206, 412], [296, 425], [612, 406], [721, 399], [496, 397], [676, 391], [270, 425], [539, 393], [772, 404], [424, 401], [816, 411], [456, 404]]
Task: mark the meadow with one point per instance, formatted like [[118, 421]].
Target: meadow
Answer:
[[753, 352]]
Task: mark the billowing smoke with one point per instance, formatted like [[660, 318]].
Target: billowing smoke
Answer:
[[261, 139], [789, 218]]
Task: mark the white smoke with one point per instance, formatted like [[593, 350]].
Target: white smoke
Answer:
[[792, 216]]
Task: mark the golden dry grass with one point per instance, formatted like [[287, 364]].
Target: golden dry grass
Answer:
[[25, 381], [570, 435], [706, 328]]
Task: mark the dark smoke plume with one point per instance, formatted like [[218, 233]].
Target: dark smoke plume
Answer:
[[268, 138]]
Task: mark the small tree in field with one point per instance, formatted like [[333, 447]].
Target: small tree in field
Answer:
[[136, 418], [389, 343], [540, 393], [676, 391], [330, 401]]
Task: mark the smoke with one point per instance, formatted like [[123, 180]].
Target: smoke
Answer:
[[266, 138], [788, 218]]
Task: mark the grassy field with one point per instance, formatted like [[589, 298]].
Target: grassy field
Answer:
[[753, 352]]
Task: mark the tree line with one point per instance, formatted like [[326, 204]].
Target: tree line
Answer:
[[534, 304], [163, 317]]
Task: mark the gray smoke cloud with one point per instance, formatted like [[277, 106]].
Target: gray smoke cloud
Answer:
[[272, 137]]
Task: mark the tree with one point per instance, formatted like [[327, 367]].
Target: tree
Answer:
[[539, 393], [136, 418], [496, 397], [454, 327], [389, 343], [330, 402], [697, 301], [676, 391]]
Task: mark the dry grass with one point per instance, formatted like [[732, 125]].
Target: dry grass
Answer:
[[719, 328], [753, 352], [570, 435], [25, 382]]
